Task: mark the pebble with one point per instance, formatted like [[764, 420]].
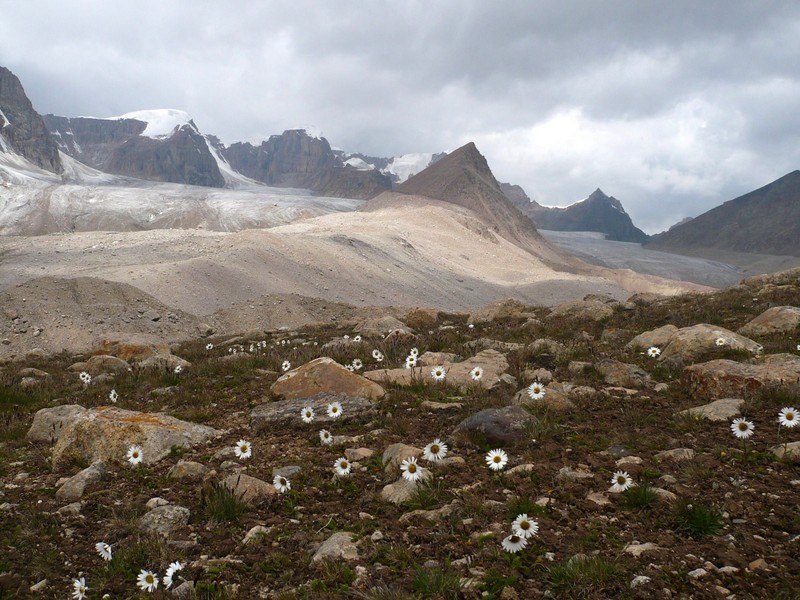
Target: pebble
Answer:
[[639, 580], [698, 573]]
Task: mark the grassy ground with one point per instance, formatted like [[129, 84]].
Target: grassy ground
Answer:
[[734, 505]]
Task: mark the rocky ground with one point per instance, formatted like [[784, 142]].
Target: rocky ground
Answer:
[[709, 516]]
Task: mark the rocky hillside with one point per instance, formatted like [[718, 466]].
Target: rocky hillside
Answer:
[[764, 221], [314, 463], [598, 212], [124, 146], [296, 159], [22, 130]]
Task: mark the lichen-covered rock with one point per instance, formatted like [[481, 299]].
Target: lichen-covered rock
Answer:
[[726, 378]]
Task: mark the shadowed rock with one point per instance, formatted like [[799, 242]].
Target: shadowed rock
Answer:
[[497, 426], [622, 374]]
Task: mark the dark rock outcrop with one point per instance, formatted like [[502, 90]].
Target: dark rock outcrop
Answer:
[[118, 146], [22, 127], [764, 221], [598, 212], [296, 159]]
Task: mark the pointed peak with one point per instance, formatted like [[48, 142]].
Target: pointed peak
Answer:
[[597, 195]]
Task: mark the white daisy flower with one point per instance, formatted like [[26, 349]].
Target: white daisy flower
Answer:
[[342, 466], [147, 581], [104, 550], [496, 459], [281, 484], [621, 481], [411, 361], [243, 450], [85, 377], [170, 574], [742, 428], [471, 326], [307, 414], [357, 338], [720, 341], [346, 337], [377, 355], [178, 371], [653, 351], [209, 346], [787, 417], [79, 588], [357, 364], [525, 527], [413, 352], [350, 368], [135, 455], [286, 366], [325, 437], [438, 373], [536, 391], [113, 396], [514, 543], [335, 409], [410, 468], [435, 451], [476, 373]]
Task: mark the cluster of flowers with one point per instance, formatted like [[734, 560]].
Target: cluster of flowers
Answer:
[[86, 379], [743, 429], [522, 529], [147, 581]]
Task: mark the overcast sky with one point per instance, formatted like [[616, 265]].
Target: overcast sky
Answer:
[[672, 107]]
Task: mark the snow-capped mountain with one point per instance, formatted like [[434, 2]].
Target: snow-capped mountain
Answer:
[[398, 168]]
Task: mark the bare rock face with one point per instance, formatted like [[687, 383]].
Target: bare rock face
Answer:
[[725, 378], [778, 319], [23, 128], [690, 343], [106, 433], [325, 378]]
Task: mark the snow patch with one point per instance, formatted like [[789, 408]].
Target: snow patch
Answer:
[[408, 165], [360, 164], [6, 122], [161, 122], [233, 179]]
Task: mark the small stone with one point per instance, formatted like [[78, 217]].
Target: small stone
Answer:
[[628, 460], [676, 454], [357, 454], [637, 549], [758, 565], [156, 502], [639, 580], [570, 474], [697, 573], [255, 533], [376, 536], [288, 471], [660, 388], [598, 498], [430, 405], [70, 510], [338, 546], [165, 519], [189, 470], [728, 570]]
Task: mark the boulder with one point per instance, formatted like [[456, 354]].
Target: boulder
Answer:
[[189, 470], [500, 309], [249, 489], [690, 343], [164, 520], [555, 398], [262, 417], [397, 453], [72, 490], [492, 362], [592, 307], [380, 326], [104, 363], [719, 410], [495, 426], [778, 319], [433, 359], [324, 378], [658, 337], [725, 378], [546, 346], [490, 344], [164, 362], [36, 373], [622, 374], [106, 433], [338, 547]]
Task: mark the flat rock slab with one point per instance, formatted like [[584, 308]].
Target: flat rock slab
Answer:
[[495, 426], [403, 490], [778, 319], [719, 410], [493, 363], [165, 520], [690, 343], [324, 378], [264, 416], [338, 547], [105, 434], [725, 378]]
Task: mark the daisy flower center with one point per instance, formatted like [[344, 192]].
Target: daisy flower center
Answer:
[[343, 464], [789, 416], [149, 579], [621, 480], [496, 459], [524, 525], [412, 468], [434, 449], [742, 426]]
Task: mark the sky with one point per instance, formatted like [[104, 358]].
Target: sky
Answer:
[[671, 107]]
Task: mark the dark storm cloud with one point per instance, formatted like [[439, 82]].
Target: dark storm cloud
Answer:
[[671, 107]]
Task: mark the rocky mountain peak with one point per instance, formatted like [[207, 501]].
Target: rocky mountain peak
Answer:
[[22, 129]]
